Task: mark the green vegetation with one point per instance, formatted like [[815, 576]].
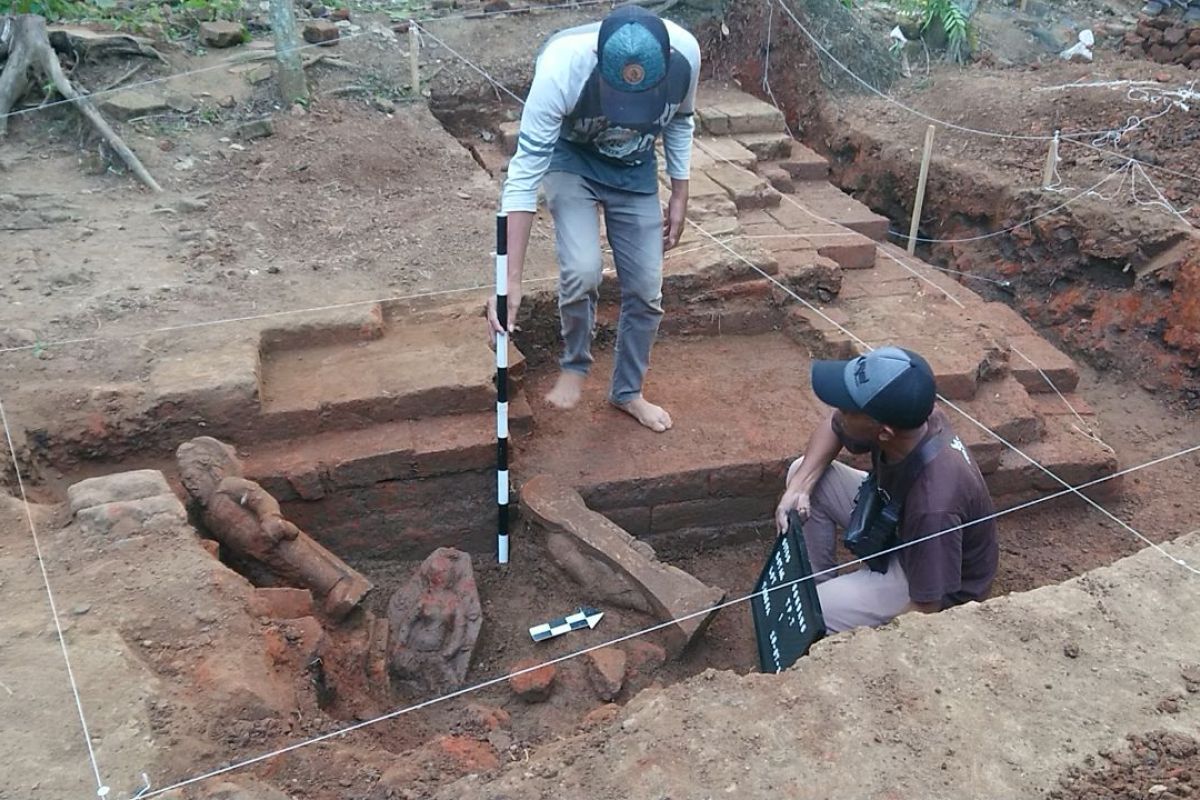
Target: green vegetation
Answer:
[[174, 17], [944, 20]]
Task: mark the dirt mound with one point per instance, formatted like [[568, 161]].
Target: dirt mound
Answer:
[[1158, 764]]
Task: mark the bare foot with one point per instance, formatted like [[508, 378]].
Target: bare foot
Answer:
[[653, 417], [567, 390]]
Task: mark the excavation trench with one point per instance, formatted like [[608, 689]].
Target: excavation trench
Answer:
[[375, 430]]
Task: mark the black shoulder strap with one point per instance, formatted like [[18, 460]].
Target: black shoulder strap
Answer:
[[920, 459]]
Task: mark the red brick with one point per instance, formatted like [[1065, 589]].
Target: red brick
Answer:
[[534, 686], [1051, 405], [647, 491], [738, 480], [367, 470], [606, 671], [854, 252], [767, 146], [806, 165], [1059, 368], [779, 179], [1004, 407], [466, 754], [1068, 453], [824, 339], [807, 274], [281, 603], [746, 189], [710, 512]]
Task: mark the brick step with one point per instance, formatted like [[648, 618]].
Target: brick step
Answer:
[[1064, 450], [397, 490], [310, 467], [724, 110], [768, 146], [803, 164], [849, 249], [830, 203], [431, 368]]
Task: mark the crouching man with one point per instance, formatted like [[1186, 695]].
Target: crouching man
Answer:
[[923, 482]]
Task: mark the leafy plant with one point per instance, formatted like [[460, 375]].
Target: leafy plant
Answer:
[[943, 17]]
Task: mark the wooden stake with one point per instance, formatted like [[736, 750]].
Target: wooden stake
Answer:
[[1024, 5], [1051, 163], [414, 59], [919, 202]]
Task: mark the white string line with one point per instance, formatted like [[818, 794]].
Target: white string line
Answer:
[[1160, 202], [653, 628], [101, 789], [851, 335], [1018, 226], [471, 64], [911, 110], [241, 59], [1108, 152]]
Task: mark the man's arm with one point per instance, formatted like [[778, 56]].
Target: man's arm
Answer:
[[822, 448], [677, 149], [556, 86]]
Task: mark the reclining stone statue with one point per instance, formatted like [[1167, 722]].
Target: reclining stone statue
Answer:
[[246, 518]]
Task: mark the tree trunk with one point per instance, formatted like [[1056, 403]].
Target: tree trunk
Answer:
[[293, 87], [29, 47]]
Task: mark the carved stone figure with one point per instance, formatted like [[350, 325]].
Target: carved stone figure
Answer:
[[434, 622], [245, 518]]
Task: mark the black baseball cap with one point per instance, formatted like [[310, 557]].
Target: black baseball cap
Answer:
[[633, 55], [890, 385]]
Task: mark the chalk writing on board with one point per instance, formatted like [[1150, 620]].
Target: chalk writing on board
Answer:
[[786, 610]]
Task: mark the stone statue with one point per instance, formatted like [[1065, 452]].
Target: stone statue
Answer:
[[244, 517], [434, 621]]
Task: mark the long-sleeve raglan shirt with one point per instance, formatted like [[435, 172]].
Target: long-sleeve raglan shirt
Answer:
[[564, 129]]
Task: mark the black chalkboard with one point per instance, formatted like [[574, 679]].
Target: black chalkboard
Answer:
[[787, 621]]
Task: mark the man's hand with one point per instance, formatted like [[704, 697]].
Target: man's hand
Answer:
[[792, 500], [514, 305], [676, 216]]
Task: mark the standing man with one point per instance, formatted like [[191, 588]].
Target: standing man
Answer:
[[601, 95], [883, 404]]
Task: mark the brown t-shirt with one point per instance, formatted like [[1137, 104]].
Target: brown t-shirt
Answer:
[[958, 566]]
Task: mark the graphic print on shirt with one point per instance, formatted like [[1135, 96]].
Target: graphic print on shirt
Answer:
[[961, 448]]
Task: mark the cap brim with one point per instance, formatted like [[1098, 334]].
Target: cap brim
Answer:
[[829, 384], [633, 108]]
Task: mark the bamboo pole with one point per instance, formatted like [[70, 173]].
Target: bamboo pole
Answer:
[[919, 202]]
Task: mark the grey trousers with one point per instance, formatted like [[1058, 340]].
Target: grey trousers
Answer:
[[634, 225], [860, 598]]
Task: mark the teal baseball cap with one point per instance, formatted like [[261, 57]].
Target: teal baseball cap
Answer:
[[633, 55]]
